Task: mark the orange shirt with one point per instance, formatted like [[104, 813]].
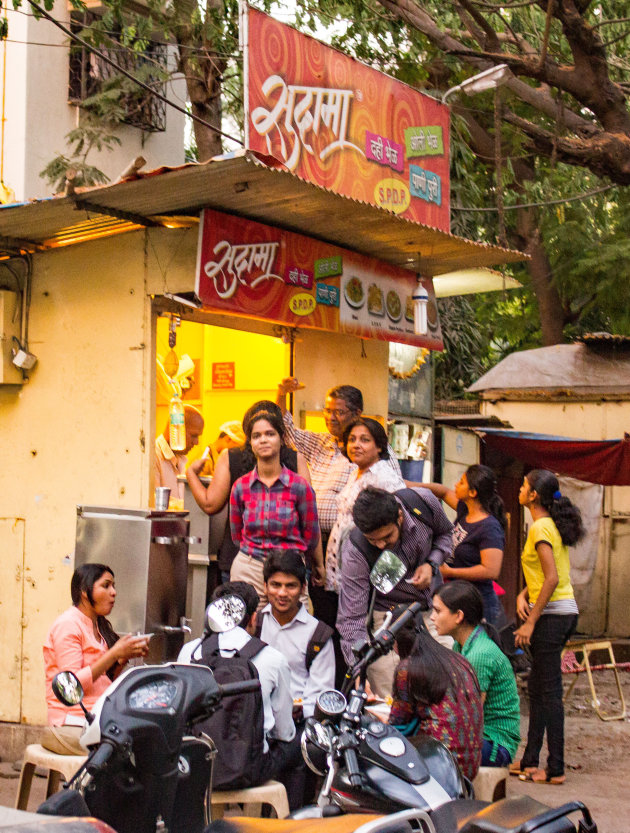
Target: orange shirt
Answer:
[[72, 646]]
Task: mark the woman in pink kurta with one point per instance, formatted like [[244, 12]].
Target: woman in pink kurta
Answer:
[[82, 640]]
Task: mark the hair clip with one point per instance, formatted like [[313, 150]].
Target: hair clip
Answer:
[[557, 495]]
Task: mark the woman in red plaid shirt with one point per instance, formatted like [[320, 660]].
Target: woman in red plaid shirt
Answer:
[[271, 507]]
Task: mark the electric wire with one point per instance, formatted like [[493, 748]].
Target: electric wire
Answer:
[[583, 196], [129, 75]]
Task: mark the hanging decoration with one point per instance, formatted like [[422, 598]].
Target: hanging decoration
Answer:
[[397, 373]]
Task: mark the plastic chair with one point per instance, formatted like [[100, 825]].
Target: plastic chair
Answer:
[[490, 783], [57, 765], [252, 799], [571, 665]]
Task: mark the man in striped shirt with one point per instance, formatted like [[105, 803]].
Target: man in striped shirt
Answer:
[[328, 465]]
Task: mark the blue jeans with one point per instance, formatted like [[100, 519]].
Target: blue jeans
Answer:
[[544, 689], [503, 757], [492, 608]]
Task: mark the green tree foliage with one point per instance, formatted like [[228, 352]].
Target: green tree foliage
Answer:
[[564, 131]]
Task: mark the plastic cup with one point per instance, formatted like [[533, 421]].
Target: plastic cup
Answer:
[[162, 497]]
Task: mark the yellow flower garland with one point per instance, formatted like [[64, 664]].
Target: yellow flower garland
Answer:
[[417, 365]]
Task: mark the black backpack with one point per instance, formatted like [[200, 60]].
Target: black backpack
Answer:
[[414, 503], [320, 637], [237, 728]]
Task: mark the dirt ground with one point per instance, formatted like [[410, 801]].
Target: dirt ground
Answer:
[[597, 757]]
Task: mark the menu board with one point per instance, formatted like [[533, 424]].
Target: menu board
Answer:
[[254, 270]]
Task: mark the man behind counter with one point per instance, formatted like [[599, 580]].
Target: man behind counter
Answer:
[[230, 436], [169, 463]]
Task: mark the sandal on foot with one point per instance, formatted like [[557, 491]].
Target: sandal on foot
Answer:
[[518, 769], [540, 776]]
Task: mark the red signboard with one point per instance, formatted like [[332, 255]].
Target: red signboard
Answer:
[[340, 124], [250, 269], [223, 376]]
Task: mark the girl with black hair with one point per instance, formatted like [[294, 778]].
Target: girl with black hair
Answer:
[[271, 507], [365, 442], [478, 533], [83, 641], [549, 614], [231, 464], [458, 612], [436, 693]]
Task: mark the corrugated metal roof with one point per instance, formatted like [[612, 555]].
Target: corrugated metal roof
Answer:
[[242, 184], [604, 339], [561, 370]]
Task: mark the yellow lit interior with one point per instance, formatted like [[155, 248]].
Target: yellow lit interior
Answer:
[[260, 362]]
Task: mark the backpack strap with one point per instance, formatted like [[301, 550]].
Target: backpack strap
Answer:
[[258, 629], [210, 648], [251, 648], [416, 505], [320, 637], [367, 550]]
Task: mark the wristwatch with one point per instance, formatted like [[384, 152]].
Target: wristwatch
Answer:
[[435, 568]]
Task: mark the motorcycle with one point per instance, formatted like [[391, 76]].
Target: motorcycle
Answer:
[[146, 772], [368, 766]]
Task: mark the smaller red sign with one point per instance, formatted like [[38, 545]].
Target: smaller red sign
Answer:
[[223, 376]]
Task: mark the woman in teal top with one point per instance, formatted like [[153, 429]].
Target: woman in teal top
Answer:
[[458, 612]]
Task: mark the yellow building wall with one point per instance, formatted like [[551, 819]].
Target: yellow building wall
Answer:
[[77, 432], [605, 601], [81, 430], [323, 360]]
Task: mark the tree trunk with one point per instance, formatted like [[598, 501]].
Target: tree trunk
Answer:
[[550, 308]]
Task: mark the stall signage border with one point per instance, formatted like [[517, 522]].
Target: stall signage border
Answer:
[[253, 270], [336, 122]]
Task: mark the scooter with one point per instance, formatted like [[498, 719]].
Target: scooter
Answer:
[[146, 772], [368, 766]]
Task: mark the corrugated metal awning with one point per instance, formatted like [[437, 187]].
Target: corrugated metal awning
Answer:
[[241, 184]]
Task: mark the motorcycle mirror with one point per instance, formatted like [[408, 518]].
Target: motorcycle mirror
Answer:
[[67, 688], [225, 613], [316, 733], [387, 572]]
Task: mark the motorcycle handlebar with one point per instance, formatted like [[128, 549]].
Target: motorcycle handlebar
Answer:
[[411, 612], [100, 758], [352, 765], [243, 687], [384, 642]]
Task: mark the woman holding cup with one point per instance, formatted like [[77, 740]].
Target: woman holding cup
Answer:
[[83, 641]]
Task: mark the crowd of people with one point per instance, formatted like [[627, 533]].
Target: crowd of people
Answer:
[[309, 514]]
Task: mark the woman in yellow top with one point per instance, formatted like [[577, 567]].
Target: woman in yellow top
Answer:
[[549, 613]]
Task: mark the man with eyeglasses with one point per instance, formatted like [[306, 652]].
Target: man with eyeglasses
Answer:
[[328, 464]]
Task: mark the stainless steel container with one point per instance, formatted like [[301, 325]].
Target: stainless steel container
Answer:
[[148, 552]]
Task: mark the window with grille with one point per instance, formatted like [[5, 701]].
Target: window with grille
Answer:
[[89, 73]]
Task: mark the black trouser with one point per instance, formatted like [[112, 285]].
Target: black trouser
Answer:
[[544, 688], [284, 763]]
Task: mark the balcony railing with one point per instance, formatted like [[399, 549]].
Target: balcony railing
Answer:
[[89, 73]]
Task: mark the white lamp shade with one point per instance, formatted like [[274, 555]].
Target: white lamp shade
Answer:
[[420, 298]]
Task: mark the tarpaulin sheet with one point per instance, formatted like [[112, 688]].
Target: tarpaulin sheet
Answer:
[[597, 461]]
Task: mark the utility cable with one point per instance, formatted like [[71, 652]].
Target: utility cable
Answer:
[[539, 204], [131, 77]]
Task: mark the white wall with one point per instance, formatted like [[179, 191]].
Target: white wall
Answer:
[[38, 115]]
